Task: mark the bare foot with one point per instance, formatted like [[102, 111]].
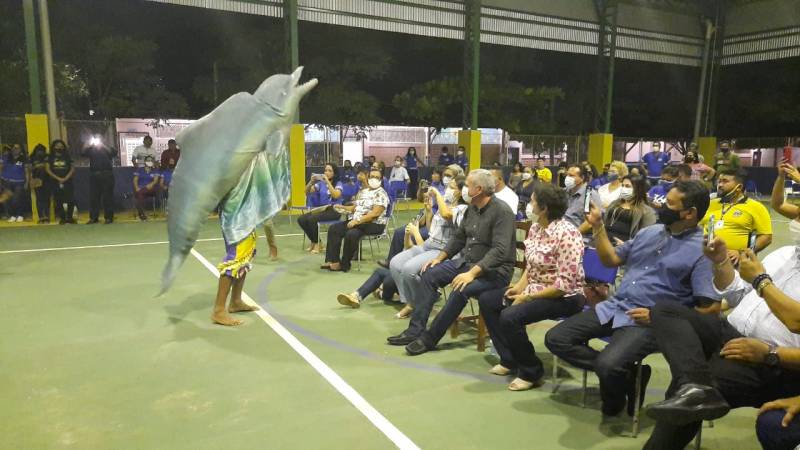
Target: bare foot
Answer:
[[222, 318], [240, 306]]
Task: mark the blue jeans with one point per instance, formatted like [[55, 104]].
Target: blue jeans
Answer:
[[405, 268], [773, 436], [397, 241], [379, 277], [431, 280]]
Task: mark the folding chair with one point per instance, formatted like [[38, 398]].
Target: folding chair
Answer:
[[399, 191]]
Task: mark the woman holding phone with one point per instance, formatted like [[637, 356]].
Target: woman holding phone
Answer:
[[323, 192]]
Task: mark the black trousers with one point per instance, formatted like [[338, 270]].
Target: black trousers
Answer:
[[339, 232], [101, 191], [308, 222], [506, 325], [690, 342], [43, 201], [614, 364], [64, 193]]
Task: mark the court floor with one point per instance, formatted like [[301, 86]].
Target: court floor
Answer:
[[89, 359]]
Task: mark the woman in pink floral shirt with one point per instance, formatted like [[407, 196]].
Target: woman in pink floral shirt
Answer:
[[551, 287]]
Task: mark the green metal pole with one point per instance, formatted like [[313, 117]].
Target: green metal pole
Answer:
[[291, 45], [476, 60], [32, 48]]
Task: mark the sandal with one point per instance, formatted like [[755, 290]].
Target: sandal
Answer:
[[405, 312], [521, 385], [378, 293]]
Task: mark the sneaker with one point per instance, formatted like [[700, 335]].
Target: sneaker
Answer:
[[11, 219], [20, 219], [109, 221], [352, 300]]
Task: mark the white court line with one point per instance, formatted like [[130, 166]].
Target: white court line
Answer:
[[393, 433], [132, 244]]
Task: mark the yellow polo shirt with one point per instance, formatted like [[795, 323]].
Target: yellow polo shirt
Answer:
[[544, 175], [738, 221]]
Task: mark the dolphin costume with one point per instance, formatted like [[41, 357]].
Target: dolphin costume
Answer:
[[236, 157]]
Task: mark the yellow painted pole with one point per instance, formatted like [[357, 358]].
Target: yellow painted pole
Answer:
[[600, 149], [297, 164], [471, 141], [37, 131]]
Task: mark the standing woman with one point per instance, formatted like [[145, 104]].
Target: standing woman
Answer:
[[327, 190], [516, 176], [413, 163], [61, 171], [630, 213], [524, 190], [700, 171], [40, 182]]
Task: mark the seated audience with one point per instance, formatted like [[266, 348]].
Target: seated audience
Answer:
[[577, 190], [324, 191], [505, 193], [366, 217], [145, 185], [777, 426], [549, 288], [380, 284], [630, 213], [486, 240], [736, 216], [658, 193], [406, 265], [663, 264], [610, 191], [745, 359]]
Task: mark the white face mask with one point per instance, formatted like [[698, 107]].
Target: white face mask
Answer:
[[148, 163], [446, 180], [626, 193], [794, 230], [397, 163], [465, 195], [374, 183], [569, 182], [526, 176], [529, 212]]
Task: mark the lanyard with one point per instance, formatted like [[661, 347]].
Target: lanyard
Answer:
[[724, 211]]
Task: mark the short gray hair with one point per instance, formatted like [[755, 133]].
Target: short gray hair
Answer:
[[456, 169], [484, 179]]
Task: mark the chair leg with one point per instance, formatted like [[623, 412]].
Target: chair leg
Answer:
[[583, 394], [698, 438], [454, 329], [482, 333], [638, 396]]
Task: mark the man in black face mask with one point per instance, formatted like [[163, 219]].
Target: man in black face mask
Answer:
[[736, 216], [663, 264], [726, 159]]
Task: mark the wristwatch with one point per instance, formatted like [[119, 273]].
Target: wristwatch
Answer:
[[772, 359]]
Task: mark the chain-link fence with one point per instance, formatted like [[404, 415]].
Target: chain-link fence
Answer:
[[12, 131], [554, 149]]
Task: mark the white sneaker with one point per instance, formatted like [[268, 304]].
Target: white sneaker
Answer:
[[20, 218], [11, 219]]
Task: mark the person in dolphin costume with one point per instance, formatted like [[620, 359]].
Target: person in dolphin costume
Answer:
[[236, 157]]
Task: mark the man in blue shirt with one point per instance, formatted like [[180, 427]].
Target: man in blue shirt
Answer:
[[655, 162], [663, 263], [657, 194], [461, 157]]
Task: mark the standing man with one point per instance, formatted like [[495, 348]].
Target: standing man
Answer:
[[726, 159], [461, 157], [445, 159], [655, 162], [143, 151], [101, 182], [736, 216], [544, 174]]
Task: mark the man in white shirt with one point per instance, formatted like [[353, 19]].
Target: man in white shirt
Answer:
[[749, 358], [143, 151], [505, 193]]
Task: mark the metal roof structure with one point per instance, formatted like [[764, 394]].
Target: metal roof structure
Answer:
[[663, 31]]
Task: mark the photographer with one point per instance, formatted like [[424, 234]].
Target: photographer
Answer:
[[324, 191]]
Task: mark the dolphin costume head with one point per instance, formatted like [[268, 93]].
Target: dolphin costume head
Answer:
[[236, 157]]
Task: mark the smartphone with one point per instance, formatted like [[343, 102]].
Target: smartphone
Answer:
[[710, 228], [316, 176], [751, 241], [419, 216], [587, 201], [787, 154]]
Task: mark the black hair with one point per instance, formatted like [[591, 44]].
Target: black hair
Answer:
[[671, 171], [738, 174], [639, 189], [684, 169], [461, 181], [408, 152], [171, 141], [445, 149], [335, 172], [58, 141], [695, 195], [540, 159], [518, 164], [39, 148], [554, 199], [579, 167], [147, 137]]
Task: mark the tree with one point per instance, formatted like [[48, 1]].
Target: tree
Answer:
[[121, 80]]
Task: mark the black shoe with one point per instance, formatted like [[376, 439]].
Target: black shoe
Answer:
[[417, 347], [400, 339], [92, 222], [383, 263], [692, 403], [646, 372], [109, 221]]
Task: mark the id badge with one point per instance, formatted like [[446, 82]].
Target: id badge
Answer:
[[719, 225]]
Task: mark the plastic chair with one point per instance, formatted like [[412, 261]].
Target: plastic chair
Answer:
[[751, 189]]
